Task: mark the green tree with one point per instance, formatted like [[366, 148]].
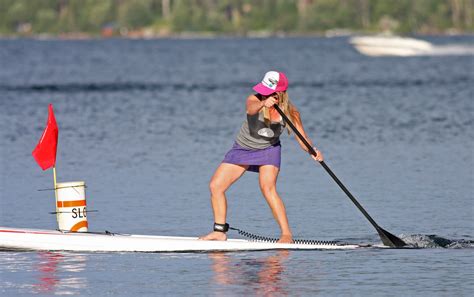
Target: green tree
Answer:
[[181, 16], [45, 20], [238, 16], [18, 12], [287, 16], [135, 13], [101, 13]]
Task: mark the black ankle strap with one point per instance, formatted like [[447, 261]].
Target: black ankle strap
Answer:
[[221, 227]]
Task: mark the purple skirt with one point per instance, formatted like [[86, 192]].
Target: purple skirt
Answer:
[[254, 158]]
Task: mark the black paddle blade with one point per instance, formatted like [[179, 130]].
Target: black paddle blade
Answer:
[[389, 239]]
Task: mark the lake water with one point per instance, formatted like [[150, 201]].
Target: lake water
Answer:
[[145, 124]]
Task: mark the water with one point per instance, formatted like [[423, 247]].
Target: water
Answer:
[[145, 124]]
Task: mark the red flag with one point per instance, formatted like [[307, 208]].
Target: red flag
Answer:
[[45, 151]]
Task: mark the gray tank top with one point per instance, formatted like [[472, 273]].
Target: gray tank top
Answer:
[[254, 134]]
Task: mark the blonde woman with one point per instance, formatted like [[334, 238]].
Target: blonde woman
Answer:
[[257, 149]]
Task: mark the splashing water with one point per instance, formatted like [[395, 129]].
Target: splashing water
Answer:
[[435, 241]]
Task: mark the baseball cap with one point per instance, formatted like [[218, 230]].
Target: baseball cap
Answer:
[[272, 82]]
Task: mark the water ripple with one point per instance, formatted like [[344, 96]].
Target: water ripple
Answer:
[[153, 86], [435, 241]]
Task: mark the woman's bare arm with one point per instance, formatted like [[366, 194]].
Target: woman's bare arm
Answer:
[[299, 126]]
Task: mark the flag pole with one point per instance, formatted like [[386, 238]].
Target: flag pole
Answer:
[[55, 195]]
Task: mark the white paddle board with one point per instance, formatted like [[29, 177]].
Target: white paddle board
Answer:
[[52, 240]]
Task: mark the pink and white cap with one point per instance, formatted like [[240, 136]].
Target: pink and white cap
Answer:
[[272, 82]]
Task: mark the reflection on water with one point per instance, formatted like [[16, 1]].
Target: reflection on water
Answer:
[[45, 273], [57, 273], [48, 272], [264, 276]]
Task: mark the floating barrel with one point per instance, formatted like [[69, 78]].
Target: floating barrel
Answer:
[[71, 206]]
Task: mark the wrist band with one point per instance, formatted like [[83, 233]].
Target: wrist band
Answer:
[[221, 227]]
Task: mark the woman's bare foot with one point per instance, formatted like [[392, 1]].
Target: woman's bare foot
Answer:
[[214, 236], [284, 238]]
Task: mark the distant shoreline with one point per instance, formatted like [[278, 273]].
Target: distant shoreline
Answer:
[[211, 35]]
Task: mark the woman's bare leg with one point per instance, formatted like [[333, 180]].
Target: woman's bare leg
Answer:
[[226, 174], [267, 178]]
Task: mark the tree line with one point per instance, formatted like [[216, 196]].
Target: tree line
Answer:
[[233, 17]]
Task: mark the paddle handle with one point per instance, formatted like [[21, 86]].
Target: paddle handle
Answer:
[[292, 126], [328, 170], [287, 120]]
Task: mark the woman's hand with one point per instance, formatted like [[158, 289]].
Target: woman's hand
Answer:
[[319, 156], [254, 104], [269, 102]]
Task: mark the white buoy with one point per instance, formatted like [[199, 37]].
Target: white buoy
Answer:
[[71, 206]]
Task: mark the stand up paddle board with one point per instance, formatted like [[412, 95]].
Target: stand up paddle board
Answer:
[[52, 240]]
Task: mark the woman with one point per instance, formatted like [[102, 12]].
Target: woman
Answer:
[[257, 148]]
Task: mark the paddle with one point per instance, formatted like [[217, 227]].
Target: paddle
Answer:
[[387, 238]]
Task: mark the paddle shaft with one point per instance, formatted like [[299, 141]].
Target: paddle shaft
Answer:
[[383, 234]]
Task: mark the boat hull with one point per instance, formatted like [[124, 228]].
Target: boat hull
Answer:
[[52, 240], [390, 46]]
